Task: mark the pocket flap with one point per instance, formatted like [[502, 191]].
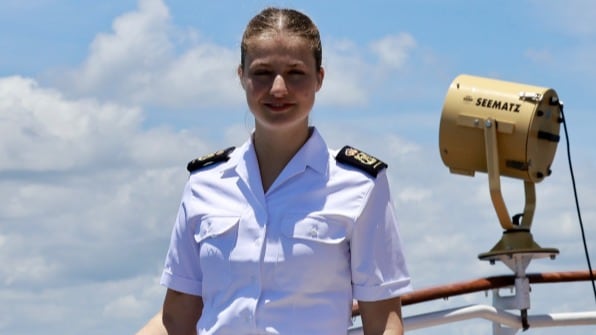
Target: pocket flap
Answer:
[[212, 226], [325, 229]]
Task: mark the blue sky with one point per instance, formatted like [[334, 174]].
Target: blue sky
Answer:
[[102, 103]]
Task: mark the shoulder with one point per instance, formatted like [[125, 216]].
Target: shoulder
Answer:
[[210, 159], [351, 156]]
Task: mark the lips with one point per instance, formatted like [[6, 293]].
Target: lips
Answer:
[[278, 106]]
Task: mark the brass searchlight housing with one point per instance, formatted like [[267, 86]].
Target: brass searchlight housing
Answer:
[[503, 129]]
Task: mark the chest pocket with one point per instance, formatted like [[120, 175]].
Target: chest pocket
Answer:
[[216, 237], [212, 227], [314, 254]]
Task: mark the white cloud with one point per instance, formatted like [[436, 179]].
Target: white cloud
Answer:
[[70, 231], [43, 131], [96, 308], [575, 17], [139, 42], [205, 75], [123, 307], [138, 63], [345, 71], [35, 268], [575, 53], [87, 193], [413, 194], [354, 74], [540, 56], [393, 51]]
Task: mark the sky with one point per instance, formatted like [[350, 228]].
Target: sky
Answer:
[[102, 104]]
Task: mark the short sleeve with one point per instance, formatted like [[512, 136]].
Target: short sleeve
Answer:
[[182, 270], [378, 264]]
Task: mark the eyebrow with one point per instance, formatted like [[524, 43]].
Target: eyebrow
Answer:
[[264, 63]]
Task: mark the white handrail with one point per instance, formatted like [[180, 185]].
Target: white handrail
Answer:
[[501, 317], [495, 315]]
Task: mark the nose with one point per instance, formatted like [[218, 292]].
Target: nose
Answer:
[[278, 87]]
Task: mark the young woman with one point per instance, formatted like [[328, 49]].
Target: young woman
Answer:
[[279, 235]]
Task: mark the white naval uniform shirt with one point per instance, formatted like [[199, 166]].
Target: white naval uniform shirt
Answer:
[[291, 260]]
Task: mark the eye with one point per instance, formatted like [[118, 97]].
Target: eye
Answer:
[[262, 72], [296, 72]]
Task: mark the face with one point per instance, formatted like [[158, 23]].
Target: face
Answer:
[[280, 80]]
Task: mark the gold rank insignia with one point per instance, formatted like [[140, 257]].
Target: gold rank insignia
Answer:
[[361, 160], [203, 161]]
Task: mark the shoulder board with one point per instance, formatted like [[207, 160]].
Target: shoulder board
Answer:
[[203, 161], [361, 160]]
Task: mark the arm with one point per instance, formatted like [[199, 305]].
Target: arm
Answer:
[[153, 326], [181, 312], [381, 317], [379, 272]]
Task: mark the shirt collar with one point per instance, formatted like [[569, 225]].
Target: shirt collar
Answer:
[[313, 154]]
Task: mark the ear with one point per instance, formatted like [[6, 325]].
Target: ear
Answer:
[[240, 72], [320, 77]]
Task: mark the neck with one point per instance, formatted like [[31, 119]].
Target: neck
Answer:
[[275, 149]]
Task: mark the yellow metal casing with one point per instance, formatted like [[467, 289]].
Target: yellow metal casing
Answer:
[[527, 119]]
